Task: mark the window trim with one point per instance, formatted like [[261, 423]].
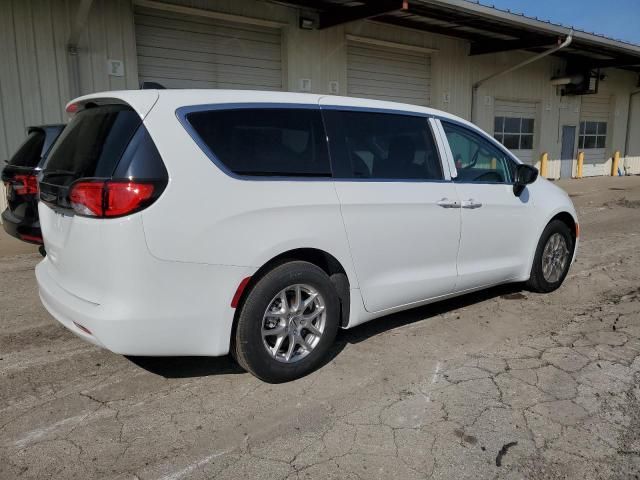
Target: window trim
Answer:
[[519, 134], [183, 112], [473, 132], [582, 136]]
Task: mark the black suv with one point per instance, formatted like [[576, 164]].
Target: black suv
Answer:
[[20, 219]]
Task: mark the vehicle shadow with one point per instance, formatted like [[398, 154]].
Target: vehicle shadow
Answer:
[[193, 367], [187, 367]]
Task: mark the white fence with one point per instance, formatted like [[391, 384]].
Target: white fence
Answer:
[[630, 165], [557, 168]]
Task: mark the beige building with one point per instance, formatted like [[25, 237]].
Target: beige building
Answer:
[[577, 93]]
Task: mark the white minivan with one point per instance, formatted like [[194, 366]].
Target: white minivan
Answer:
[[203, 222]]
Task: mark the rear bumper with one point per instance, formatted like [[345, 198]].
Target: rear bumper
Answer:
[[183, 309], [27, 231]]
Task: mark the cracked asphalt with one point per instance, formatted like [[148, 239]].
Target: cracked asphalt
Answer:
[[500, 384]]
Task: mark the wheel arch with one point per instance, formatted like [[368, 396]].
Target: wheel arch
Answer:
[[565, 217], [318, 257], [569, 220]]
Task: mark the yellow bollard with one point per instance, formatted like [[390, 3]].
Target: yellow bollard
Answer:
[[580, 163], [544, 160], [614, 163]]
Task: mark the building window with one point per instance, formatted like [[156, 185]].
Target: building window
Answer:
[[592, 135], [514, 133]]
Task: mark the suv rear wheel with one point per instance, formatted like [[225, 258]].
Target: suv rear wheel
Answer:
[[287, 322]]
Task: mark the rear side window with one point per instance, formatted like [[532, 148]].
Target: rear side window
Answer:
[[265, 141], [382, 146], [30, 152], [92, 144]]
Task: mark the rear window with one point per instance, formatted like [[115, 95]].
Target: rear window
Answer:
[[277, 142], [30, 152], [92, 144]]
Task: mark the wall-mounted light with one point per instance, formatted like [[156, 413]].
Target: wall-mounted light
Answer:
[[307, 23]]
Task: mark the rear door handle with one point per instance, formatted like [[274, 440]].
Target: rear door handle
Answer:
[[446, 203], [471, 203]]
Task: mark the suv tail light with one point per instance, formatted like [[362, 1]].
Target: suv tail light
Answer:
[[112, 198], [25, 184]]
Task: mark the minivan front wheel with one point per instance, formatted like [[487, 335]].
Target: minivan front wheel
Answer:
[[552, 259], [287, 322]]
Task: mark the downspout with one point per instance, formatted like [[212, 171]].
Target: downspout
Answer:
[[82, 15], [628, 137], [567, 41]]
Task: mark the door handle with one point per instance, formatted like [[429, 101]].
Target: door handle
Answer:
[[471, 203], [446, 203]]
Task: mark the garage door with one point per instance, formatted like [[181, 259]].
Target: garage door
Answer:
[[392, 74], [515, 127], [593, 134], [183, 51]]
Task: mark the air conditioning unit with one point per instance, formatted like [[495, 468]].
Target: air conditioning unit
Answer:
[[584, 83]]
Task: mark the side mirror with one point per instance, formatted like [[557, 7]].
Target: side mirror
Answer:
[[525, 174]]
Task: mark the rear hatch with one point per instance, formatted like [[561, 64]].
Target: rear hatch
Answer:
[[103, 167], [19, 177]]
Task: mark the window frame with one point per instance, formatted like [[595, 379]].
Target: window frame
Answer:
[[503, 132], [481, 135], [582, 134], [183, 112]]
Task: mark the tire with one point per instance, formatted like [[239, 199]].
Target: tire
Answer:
[[250, 347], [42, 251], [538, 281]]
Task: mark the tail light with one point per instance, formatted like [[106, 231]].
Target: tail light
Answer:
[[112, 198], [25, 184], [30, 238]]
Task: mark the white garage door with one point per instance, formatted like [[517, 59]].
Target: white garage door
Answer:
[[593, 134], [183, 51], [392, 74], [515, 127]]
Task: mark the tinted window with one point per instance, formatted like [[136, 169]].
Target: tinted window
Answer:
[[92, 144], [382, 145], [265, 141], [476, 159], [29, 153]]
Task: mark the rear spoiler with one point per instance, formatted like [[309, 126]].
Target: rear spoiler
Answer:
[[142, 101]]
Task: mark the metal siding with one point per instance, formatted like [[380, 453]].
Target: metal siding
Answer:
[[634, 128], [186, 51], [388, 74]]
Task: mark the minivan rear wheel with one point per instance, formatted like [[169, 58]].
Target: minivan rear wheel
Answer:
[[287, 323]]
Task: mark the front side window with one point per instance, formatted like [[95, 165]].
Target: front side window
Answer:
[[476, 159], [265, 141], [592, 135], [382, 146], [515, 133]]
